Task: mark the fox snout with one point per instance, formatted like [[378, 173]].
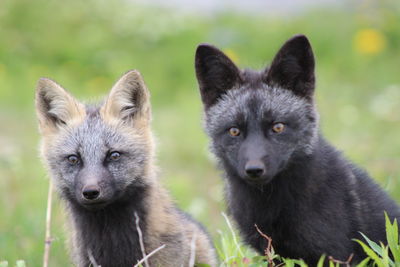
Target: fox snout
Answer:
[[254, 160], [94, 195], [259, 162], [255, 169], [91, 192], [94, 188]]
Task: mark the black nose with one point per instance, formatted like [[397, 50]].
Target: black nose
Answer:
[[91, 192], [254, 171]]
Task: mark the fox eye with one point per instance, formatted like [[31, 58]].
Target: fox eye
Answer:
[[278, 127], [234, 131], [114, 156], [73, 159]]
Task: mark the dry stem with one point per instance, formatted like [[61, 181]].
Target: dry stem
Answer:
[[233, 234], [347, 263], [193, 250], [268, 249], [48, 238], [92, 259], [141, 241], [149, 255]]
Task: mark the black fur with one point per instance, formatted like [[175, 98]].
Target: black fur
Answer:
[[293, 67], [110, 234], [216, 73], [308, 198]]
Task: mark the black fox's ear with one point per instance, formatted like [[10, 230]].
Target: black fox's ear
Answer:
[[293, 67], [215, 72], [55, 107], [129, 99]]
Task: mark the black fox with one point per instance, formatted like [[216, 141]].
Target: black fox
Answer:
[[281, 174]]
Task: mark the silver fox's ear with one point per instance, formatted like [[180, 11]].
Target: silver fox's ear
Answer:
[[216, 73], [55, 107], [128, 100], [293, 67]]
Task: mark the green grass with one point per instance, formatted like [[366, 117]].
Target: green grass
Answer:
[[87, 45], [380, 255]]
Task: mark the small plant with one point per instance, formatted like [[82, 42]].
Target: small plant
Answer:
[[381, 255], [234, 254]]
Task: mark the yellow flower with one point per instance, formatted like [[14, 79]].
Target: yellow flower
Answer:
[[232, 55], [369, 41]]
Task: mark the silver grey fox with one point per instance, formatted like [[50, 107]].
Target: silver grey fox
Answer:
[[101, 160]]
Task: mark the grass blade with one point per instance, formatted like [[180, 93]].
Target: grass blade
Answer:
[[371, 254], [372, 244]]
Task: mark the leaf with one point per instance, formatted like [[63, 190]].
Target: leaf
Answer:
[[300, 262], [392, 236], [289, 263], [371, 254], [256, 259], [372, 244], [260, 264], [321, 261], [385, 257], [363, 262]]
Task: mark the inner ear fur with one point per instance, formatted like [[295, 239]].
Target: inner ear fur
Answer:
[[128, 99], [55, 107]]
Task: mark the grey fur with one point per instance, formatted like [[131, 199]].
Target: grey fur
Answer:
[[104, 228], [277, 101]]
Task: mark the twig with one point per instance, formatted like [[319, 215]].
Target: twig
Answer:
[[268, 249], [149, 255], [233, 234], [48, 239], [92, 259], [193, 250], [347, 263], [141, 241]]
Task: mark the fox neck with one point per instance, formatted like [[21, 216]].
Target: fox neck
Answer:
[[287, 189], [110, 236]]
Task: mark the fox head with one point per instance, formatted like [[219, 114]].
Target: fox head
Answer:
[[96, 154], [259, 121]]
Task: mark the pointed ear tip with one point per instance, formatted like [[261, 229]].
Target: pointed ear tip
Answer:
[[204, 47], [300, 38], [133, 73], [44, 82]]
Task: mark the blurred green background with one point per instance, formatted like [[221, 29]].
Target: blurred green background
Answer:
[[87, 45]]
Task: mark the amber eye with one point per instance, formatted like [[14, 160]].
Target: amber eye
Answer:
[[73, 159], [114, 156], [234, 131], [278, 127]]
